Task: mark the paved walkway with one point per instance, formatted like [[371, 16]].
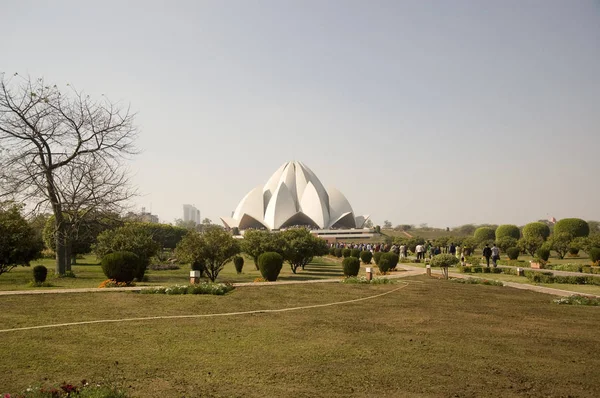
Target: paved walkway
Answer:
[[410, 270]]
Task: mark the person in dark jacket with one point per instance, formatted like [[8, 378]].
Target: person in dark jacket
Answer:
[[487, 253]]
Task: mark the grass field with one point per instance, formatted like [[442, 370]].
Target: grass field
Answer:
[[89, 274], [431, 338]]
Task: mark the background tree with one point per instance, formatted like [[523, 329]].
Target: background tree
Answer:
[[508, 230], [19, 243], [560, 243], [536, 229], [387, 224], [62, 150], [506, 242], [301, 247], [576, 227], [214, 248], [530, 243], [257, 242], [484, 235]]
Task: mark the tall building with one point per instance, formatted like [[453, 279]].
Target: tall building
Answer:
[[190, 213]]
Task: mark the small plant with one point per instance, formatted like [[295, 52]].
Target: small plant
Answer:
[[40, 273], [351, 266], [477, 281], [39, 284], [376, 257], [259, 280], [578, 300], [164, 267], [444, 261], [115, 283], [543, 253], [366, 257], [270, 264], [238, 262], [346, 253], [363, 280], [338, 252], [513, 253], [217, 289], [595, 255]]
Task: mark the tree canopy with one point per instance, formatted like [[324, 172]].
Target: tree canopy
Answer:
[[19, 243]]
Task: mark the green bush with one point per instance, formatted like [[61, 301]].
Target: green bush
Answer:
[[351, 266], [392, 259], [332, 251], [366, 256], [484, 235], [444, 260], [40, 273], [536, 229], [573, 251], [575, 227], [238, 262], [508, 230], [506, 242], [346, 253], [376, 257], [270, 264], [578, 300], [355, 253], [543, 253], [594, 255], [513, 253], [338, 252], [121, 266], [384, 265]]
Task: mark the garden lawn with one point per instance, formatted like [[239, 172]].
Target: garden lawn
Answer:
[[89, 274], [431, 338]]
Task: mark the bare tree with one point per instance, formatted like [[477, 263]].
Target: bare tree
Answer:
[[64, 151]]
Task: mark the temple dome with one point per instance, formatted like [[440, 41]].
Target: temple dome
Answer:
[[293, 195]]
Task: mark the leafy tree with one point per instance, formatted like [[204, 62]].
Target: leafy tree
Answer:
[[560, 243], [530, 243], [214, 247], [207, 221], [301, 246], [257, 242], [387, 224], [189, 225], [444, 261], [133, 238], [484, 235], [19, 243], [467, 229], [536, 229], [506, 242], [508, 230], [469, 244], [413, 242], [594, 227], [575, 227]]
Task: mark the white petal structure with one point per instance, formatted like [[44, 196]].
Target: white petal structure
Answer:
[[293, 195]]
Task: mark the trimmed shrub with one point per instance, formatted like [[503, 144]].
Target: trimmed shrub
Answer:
[[338, 252], [543, 253], [366, 256], [270, 264], [392, 259], [376, 257], [355, 253], [444, 260], [346, 253], [351, 266], [484, 235], [508, 230], [575, 227], [536, 229], [332, 251], [513, 253], [384, 265], [573, 251], [40, 273], [594, 254], [121, 266], [238, 262]]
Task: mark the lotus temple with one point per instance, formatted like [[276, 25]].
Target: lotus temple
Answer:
[[294, 196]]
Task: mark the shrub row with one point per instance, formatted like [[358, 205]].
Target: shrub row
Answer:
[[217, 289], [549, 277], [578, 300], [477, 281]]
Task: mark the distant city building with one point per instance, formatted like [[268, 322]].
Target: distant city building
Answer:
[[190, 213], [144, 216]]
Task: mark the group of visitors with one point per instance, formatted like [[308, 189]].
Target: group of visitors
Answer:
[[492, 253]]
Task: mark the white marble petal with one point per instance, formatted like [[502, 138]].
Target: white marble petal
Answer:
[[280, 207]]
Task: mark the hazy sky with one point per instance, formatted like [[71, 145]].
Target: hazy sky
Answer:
[[438, 112]]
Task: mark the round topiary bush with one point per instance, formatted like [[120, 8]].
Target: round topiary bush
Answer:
[[384, 265], [121, 266], [355, 253], [573, 251], [513, 253], [536, 229], [40, 273], [543, 253], [270, 264], [338, 252], [366, 256], [508, 230], [392, 259], [575, 227], [332, 251], [444, 261], [376, 257], [594, 255], [346, 253], [484, 235], [351, 266], [238, 262]]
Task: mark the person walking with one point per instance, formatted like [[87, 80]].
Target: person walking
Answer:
[[419, 251], [487, 253], [452, 249], [495, 255]]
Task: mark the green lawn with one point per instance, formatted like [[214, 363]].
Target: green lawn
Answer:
[[431, 338], [89, 274]]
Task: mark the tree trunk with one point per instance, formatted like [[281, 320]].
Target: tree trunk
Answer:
[[61, 261], [68, 254]]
